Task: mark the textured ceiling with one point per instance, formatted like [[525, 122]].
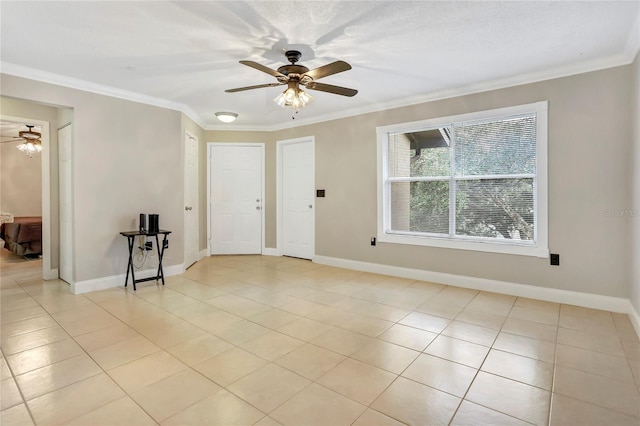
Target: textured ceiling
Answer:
[[185, 54]]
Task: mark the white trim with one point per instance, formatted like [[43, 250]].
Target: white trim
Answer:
[[541, 246], [279, 223], [587, 300], [203, 253], [112, 281], [210, 146], [45, 168], [269, 251], [634, 316], [100, 89], [188, 134]]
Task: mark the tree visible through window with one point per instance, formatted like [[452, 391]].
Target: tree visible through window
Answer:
[[472, 180]]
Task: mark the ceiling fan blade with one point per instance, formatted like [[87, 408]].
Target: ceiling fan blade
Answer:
[[329, 69], [331, 89], [11, 140], [259, 86], [262, 68]]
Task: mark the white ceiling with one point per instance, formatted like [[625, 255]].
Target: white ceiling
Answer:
[[185, 54]]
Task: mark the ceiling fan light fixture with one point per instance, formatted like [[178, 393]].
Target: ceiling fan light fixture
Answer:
[[30, 147], [227, 117], [293, 97]]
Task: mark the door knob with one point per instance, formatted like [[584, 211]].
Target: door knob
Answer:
[[257, 207], [187, 208], [310, 206]]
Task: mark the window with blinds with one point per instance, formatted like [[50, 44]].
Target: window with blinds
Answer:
[[476, 178]]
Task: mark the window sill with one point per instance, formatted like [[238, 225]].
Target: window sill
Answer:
[[489, 246]]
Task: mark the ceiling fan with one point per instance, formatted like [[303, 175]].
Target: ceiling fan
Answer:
[[30, 140], [295, 75]]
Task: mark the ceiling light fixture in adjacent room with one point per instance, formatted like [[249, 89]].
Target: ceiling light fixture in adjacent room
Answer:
[[226, 117], [31, 141]]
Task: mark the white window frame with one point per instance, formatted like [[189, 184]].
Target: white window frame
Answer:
[[540, 248]]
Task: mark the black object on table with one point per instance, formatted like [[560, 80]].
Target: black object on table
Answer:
[[131, 238]]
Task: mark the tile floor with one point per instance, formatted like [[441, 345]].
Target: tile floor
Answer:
[[244, 340]]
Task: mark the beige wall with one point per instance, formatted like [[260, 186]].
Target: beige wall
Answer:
[[125, 158], [21, 182], [36, 111], [589, 147], [635, 190]]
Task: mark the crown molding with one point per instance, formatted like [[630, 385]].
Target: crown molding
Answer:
[[100, 89]]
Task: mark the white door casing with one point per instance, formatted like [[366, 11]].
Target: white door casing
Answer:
[[66, 202], [296, 195], [236, 194], [191, 219]]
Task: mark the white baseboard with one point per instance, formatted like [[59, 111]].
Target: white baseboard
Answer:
[[587, 300], [269, 251], [51, 274], [203, 254], [118, 280], [634, 316]]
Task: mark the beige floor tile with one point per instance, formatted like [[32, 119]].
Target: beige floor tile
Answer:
[[441, 374], [173, 335], [32, 339], [75, 400], [531, 329], [455, 296], [317, 405], [341, 341], [229, 366], [239, 306], [519, 368], [331, 316], [483, 319], [382, 311], [201, 348], [535, 315], [17, 302], [356, 380], [221, 408], [471, 333], [301, 307], [525, 346], [603, 343], [193, 310], [215, 321], [146, 371], [10, 394], [310, 361], [272, 345], [105, 337], [241, 332], [325, 298], [267, 421], [372, 327], [173, 394], [416, 404], [537, 304], [26, 326], [123, 352], [425, 322], [516, 399], [42, 356], [122, 411], [55, 376], [470, 414], [268, 387], [584, 319], [386, 355], [91, 323], [440, 309], [569, 411], [410, 337], [16, 416], [5, 373], [459, 351], [304, 329], [373, 418], [22, 314], [274, 318], [609, 366], [622, 397]]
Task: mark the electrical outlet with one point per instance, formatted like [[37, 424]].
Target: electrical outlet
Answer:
[[165, 244], [554, 259], [148, 245], [373, 241]]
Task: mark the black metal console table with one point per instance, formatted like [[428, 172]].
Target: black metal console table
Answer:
[[131, 239]]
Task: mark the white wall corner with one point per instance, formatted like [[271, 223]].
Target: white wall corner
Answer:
[[270, 251], [586, 300], [203, 254], [112, 281], [50, 274]]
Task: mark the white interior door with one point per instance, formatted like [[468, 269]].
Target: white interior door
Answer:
[[66, 203], [298, 188], [191, 222], [236, 198]]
